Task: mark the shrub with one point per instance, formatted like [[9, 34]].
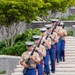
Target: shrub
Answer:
[[70, 33], [71, 17], [27, 35], [16, 50], [67, 18], [3, 72], [19, 47], [2, 44]]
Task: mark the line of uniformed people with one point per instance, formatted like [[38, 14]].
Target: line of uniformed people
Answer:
[[50, 50]]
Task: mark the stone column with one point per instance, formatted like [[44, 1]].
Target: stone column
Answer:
[[73, 30]]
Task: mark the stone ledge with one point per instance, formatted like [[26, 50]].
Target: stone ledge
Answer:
[[8, 63], [8, 56]]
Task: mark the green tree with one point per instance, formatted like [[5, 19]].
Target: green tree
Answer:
[[71, 3], [13, 12], [58, 5]]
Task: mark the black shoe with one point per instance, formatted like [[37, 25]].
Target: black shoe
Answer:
[[48, 74], [53, 71], [63, 59], [57, 61]]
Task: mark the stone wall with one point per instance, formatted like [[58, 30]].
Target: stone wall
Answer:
[[68, 24], [8, 63], [38, 24]]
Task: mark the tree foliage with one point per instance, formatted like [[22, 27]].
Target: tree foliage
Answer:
[[15, 11], [58, 5], [12, 12], [27, 10], [71, 3]]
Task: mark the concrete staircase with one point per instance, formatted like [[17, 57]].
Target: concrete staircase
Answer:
[[62, 68], [67, 67]]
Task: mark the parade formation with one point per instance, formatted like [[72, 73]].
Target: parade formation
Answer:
[[45, 50]]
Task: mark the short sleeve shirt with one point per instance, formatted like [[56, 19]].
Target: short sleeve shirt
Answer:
[[64, 32], [25, 57]]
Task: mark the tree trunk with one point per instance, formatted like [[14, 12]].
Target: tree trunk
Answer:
[[9, 34]]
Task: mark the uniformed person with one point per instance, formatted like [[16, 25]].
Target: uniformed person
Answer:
[[62, 42], [59, 31], [57, 44], [41, 51], [54, 22], [34, 59], [54, 39], [47, 43]]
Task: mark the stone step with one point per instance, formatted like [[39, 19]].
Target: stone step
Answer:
[[71, 57], [17, 73], [18, 70], [19, 66], [61, 66], [63, 73], [69, 39], [65, 66], [70, 47], [65, 69], [70, 54], [66, 62], [72, 60], [71, 42], [69, 51]]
